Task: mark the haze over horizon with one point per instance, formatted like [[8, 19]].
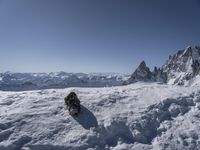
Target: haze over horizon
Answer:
[[94, 36]]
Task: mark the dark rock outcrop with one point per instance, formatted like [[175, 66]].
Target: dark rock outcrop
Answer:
[[143, 73]]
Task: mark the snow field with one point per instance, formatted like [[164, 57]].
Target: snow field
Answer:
[[137, 116]]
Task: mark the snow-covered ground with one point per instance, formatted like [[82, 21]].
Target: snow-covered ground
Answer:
[[137, 116]]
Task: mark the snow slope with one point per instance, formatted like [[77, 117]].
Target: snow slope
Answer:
[[136, 116]]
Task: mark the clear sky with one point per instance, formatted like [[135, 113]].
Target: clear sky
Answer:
[[94, 35]]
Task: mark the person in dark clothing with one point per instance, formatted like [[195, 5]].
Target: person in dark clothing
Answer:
[[73, 104]]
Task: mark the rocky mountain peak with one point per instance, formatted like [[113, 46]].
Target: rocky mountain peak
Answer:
[[188, 50], [143, 73], [142, 65], [183, 66], [180, 68], [142, 69]]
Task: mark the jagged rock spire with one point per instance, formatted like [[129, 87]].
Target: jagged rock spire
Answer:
[[142, 64], [143, 73]]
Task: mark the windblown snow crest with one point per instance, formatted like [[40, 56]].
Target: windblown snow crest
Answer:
[[165, 117]]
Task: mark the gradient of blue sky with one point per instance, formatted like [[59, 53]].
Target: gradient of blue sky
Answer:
[[94, 36]]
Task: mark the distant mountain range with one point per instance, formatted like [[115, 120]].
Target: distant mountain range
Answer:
[[182, 68], [33, 81]]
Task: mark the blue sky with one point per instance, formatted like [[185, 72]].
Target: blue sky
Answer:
[[94, 36]]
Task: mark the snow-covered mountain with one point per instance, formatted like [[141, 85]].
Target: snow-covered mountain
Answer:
[[183, 68], [33, 81], [140, 116]]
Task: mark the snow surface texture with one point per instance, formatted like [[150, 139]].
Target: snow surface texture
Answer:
[[137, 116]]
